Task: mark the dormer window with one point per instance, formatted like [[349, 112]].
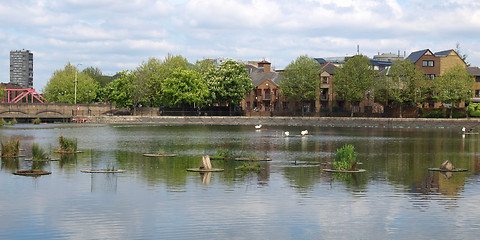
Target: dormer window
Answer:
[[427, 63]]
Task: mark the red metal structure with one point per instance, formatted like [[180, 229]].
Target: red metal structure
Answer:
[[29, 94]]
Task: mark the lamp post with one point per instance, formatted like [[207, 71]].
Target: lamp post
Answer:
[[76, 70]]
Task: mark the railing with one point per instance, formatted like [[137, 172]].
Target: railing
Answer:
[[266, 96]]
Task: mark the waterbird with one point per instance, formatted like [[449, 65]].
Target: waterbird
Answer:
[[287, 133], [258, 126], [304, 132]]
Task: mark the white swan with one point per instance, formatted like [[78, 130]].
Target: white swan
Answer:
[[304, 132], [258, 126]]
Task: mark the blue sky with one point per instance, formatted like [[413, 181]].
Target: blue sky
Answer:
[[116, 35]]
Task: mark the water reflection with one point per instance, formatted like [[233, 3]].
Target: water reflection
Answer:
[[291, 197]]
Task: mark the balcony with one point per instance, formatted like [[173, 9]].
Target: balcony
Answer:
[[266, 96]]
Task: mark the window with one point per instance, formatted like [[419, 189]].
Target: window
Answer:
[[477, 78], [285, 105], [427, 63], [430, 76], [325, 80], [477, 93]]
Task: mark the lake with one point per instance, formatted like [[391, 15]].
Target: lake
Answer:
[[290, 198]]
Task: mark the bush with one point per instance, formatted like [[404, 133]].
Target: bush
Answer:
[[437, 113], [37, 121], [346, 158], [474, 110], [459, 115]]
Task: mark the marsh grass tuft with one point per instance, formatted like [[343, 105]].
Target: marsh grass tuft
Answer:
[[11, 148], [38, 153], [67, 145], [346, 158], [37, 121]]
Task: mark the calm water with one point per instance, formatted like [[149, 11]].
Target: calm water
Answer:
[[292, 198]]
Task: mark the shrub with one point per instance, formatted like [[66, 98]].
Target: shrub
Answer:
[[67, 145], [473, 109], [459, 115], [37, 121], [12, 122], [11, 148], [346, 158], [437, 113]]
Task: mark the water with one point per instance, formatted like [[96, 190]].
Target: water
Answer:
[[292, 198]]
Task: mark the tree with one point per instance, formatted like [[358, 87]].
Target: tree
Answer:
[[228, 83], [455, 86], [299, 81], [403, 83], [462, 56], [119, 91], [151, 75], [61, 86], [98, 76], [352, 81], [203, 66], [185, 87]]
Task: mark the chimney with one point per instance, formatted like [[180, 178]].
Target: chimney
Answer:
[[265, 64]]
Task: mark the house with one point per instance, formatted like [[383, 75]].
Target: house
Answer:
[[475, 72], [264, 98], [436, 64]]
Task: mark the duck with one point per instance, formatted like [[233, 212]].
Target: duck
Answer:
[[287, 133], [258, 126], [304, 132]]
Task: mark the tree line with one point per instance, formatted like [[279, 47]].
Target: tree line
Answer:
[[171, 82], [402, 84]]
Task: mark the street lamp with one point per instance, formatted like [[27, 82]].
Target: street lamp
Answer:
[[76, 70]]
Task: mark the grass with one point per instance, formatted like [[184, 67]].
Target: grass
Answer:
[[250, 166], [11, 148], [223, 153], [346, 158], [67, 145], [38, 153]]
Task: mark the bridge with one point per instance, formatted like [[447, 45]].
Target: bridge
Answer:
[[52, 112]]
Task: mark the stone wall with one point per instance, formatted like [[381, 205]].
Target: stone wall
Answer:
[[295, 121]]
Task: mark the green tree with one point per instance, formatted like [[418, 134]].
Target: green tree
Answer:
[[403, 83], [98, 76], [203, 66], [185, 87], [119, 91], [453, 87], [299, 81], [61, 86], [228, 83], [152, 73], [352, 81]]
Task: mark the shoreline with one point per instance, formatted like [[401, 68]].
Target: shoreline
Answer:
[[291, 121]]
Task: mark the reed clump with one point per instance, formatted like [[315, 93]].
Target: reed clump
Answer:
[[11, 148], [67, 145]]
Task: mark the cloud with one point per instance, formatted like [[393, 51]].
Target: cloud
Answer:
[[115, 34]]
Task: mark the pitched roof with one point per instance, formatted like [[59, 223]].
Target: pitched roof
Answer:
[[329, 68], [414, 56], [475, 71], [258, 76], [443, 53]]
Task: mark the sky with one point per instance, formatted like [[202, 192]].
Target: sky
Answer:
[[117, 35]]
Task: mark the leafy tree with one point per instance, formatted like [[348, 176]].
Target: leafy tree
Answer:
[[185, 87], [455, 86], [403, 83], [119, 91], [61, 86], [299, 81], [352, 81], [151, 75], [462, 56], [203, 66], [97, 75], [228, 83]]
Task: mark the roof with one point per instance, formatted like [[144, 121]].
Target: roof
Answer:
[[414, 56], [443, 53], [475, 71], [329, 68], [258, 76]]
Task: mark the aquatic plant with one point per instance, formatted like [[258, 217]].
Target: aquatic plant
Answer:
[[11, 148], [38, 153], [37, 121], [224, 153], [12, 122], [67, 145], [346, 158], [250, 166]]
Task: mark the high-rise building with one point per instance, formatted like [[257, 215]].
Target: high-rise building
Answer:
[[21, 68]]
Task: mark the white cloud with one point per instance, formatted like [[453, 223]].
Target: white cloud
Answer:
[[118, 34]]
